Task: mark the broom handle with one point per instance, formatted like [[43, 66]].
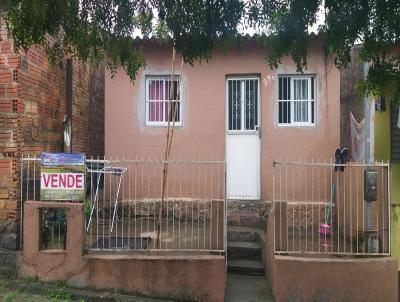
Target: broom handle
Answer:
[[330, 204]]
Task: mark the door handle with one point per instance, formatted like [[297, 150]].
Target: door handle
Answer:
[[257, 128]]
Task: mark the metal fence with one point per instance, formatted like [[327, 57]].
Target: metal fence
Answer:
[[124, 210], [321, 208]]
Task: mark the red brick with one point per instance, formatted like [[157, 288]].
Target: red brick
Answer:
[[32, 107], [3, 214]]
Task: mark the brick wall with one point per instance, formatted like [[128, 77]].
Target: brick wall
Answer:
[[96, 112], [88, 109], [32, 107]]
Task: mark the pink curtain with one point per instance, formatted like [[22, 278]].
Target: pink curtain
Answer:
[[156, 101]]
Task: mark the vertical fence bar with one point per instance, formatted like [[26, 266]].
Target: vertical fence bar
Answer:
[[273, 203], [344, 215], [209, 199], [205, 205], [299, 207], [306, 203], [27, 179], [357, 219], [338, 209], [351, 210], [21, 204], [312, 205], [293, 209], [389, 181], [135, 202], [34, 178], [196, 205], [280, 207], [287, 205], [344, 209]]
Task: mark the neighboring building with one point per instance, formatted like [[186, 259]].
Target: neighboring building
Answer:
[[385, 133], [387, 148], [234, 106], [35, 97], [350, 100]]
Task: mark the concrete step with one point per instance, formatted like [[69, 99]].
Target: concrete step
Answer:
[[246, 267], [244, 250], [247, 213], [237, 219], [245, 234]]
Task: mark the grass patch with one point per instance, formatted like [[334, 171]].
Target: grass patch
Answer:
[[10, 297], [58, 293]]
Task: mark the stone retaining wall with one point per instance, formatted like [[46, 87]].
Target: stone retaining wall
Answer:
[[8, 246]]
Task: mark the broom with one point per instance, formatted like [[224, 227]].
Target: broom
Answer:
[[325, 228]]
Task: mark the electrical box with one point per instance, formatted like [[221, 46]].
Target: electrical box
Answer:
[[370, 185]]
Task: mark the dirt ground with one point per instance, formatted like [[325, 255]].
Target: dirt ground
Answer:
[[8, 294], [32, 290]]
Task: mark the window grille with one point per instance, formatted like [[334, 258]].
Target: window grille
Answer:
[[158, 92], [53, 229], [296, 100], [243, 104]]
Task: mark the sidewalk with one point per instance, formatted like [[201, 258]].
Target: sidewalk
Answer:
[[242, 288]]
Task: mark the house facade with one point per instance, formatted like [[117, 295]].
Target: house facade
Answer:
[[233, 106]]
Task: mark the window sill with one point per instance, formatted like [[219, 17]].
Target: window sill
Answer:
[[156, 125], [297, 125], [53, 251], [242, 132]]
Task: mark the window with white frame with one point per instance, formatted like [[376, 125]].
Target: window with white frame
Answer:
[[158, 108], [296, 100]]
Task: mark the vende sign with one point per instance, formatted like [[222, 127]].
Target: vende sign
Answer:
[[62, 181], [62, 176]]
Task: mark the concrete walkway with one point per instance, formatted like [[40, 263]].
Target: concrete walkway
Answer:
[[243, 288]]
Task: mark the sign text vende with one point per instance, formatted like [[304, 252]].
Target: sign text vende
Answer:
[[62, 181]]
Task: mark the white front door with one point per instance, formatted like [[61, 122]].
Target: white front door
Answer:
[[243, 138]]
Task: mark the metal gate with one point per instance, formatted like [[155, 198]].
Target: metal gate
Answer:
[[324, 208]]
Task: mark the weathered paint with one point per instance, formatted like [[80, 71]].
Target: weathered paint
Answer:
[[382, 135], [395, 231], [202, 134], [182, 278], [335, 279], [382, 152], [396, 184], [329, 278]]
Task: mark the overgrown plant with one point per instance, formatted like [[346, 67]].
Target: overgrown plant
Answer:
[[92, 30], [104, 30]]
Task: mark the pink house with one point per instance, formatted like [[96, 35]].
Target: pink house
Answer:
[[234, 106], [176, 239]]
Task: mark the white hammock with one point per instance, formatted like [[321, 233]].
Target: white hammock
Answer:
[[357, 139]]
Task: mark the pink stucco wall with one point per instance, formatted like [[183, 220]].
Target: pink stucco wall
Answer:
[[176, 277], [203, 131], [308, 278]]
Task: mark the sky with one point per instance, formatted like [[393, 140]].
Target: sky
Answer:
[[252, 31]]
